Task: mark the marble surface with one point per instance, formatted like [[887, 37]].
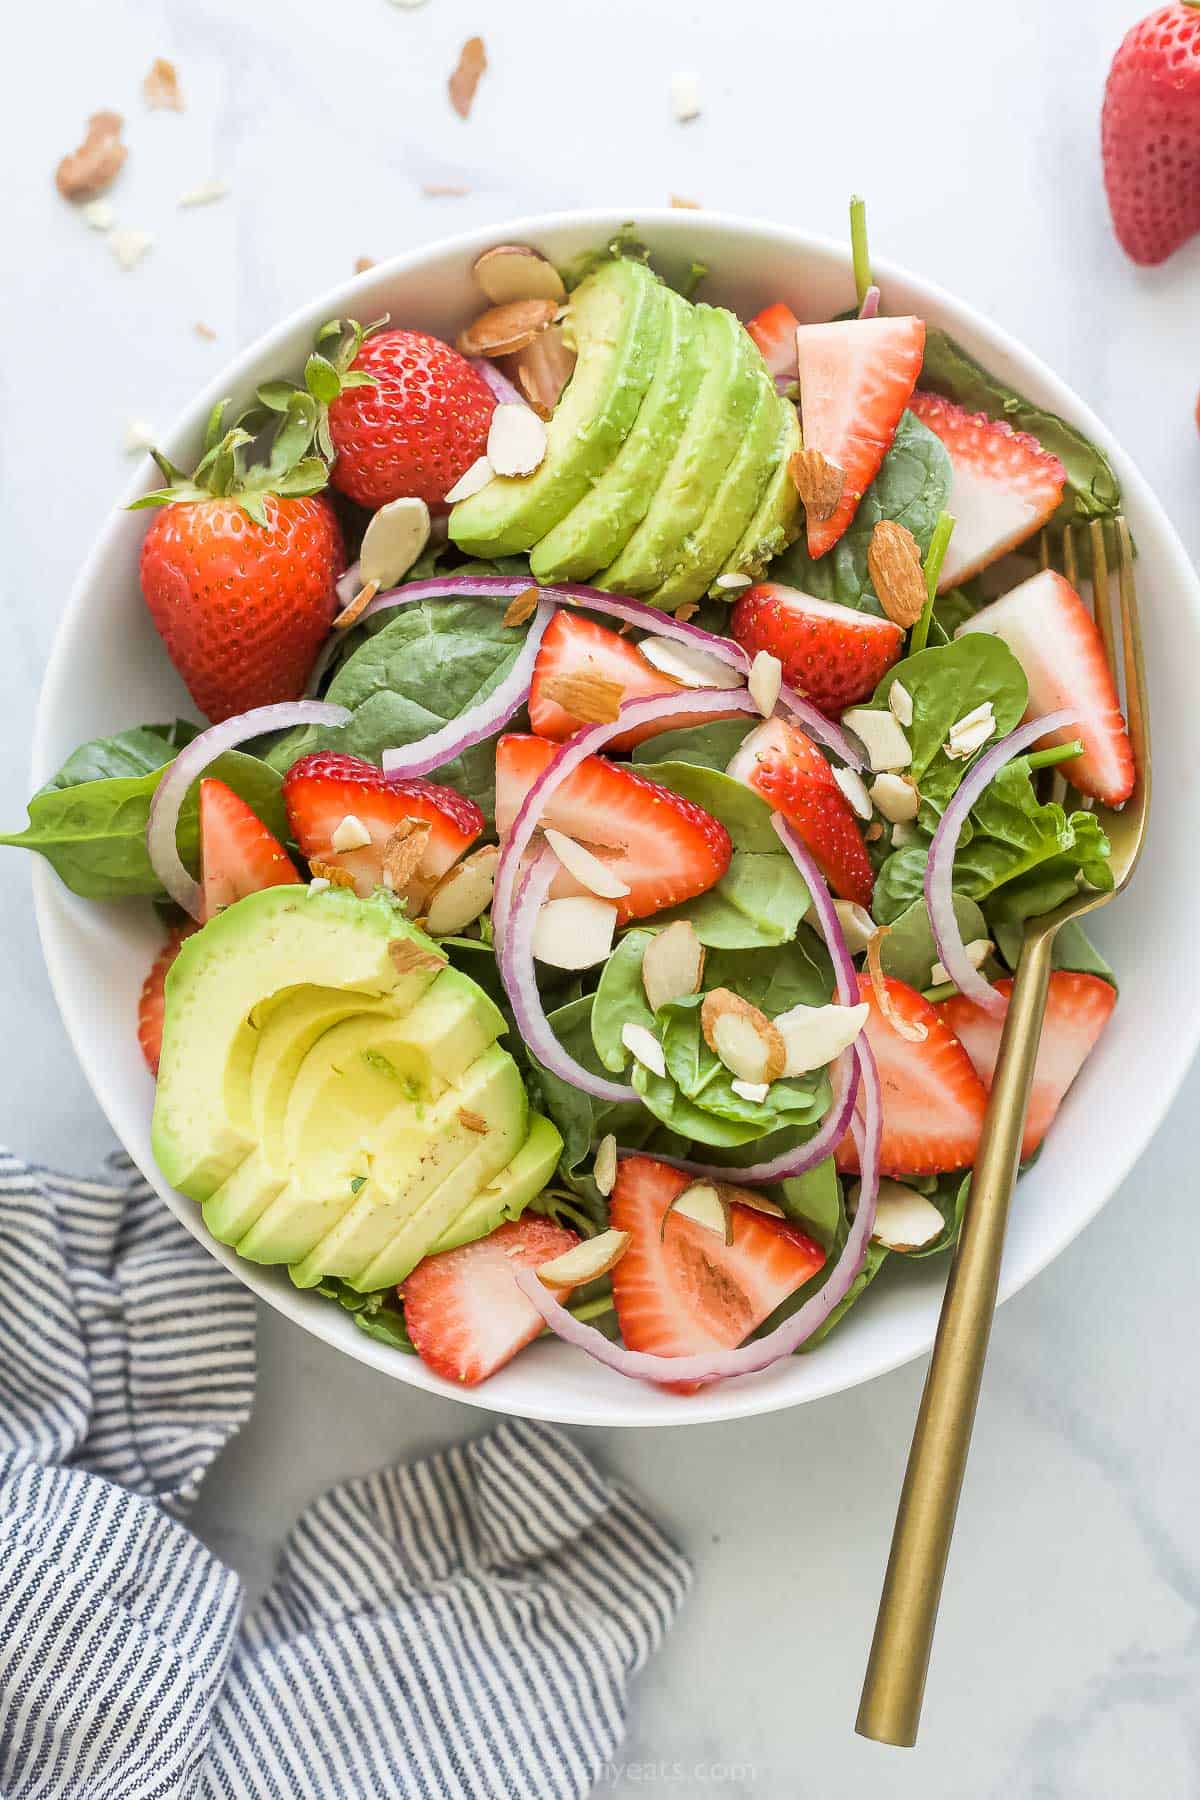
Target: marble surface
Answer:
[[1068, 1655]]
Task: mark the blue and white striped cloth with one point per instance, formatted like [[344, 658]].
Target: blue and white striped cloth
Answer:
[[464, 1627]]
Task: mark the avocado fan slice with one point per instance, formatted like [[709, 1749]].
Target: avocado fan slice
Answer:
[[777, 519]]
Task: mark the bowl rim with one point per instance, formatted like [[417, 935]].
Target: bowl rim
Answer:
[[731, 1400]]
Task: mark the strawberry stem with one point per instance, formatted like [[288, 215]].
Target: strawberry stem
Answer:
[[859, 250], [1046, 759], [935, 556]]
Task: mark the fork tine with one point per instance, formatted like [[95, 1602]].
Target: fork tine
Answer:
[[1070, 566], [1101, 600], [1136, 704]]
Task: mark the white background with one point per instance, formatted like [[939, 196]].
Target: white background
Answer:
[[1068, 1655]]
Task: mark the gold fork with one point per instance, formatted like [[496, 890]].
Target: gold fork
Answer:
[[894, 1688]]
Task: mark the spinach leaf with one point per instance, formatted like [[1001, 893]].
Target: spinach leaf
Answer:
[[949, 1195], [1072, 948], [94, 832], [1092, 489], [708, 746], [378, 1315], [900, 883], [702, 1077], [946, 683], [908, 952], [912, 487], [135, 752], [430, 663], [620, 999]]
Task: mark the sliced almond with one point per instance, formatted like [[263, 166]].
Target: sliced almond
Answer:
[[100, 214], [854, 788], [471, 480], [895, 797], [978, 951], [703, 1204], [586, 1261], [687, 611], [575, 933], [472, 61], [518, 272], [894, 565], [516, 442], [971, 732], [732, 582], [882, 739], [393, 540], [350, 615], [644, 1047], [473, 1121], [204, 193], [685, 95], [522, 608], [404, 853], [129, 247], [462, 894], [161, 86], [587, 868], [904, 1219], [543, 369], [349, 834], [97, 162], [858, 927], [753, 1091], [900, 704], [750, 1198], [503, 330], [815, 1035], [585, 695], [673, 964], [911, 1030], [363, 263], [820, 483], [330, 873], [905, 832], [410, 958], [742, 1037], [765, 681], [604, 1164], [687, 663], [679, 201], [444, 190]]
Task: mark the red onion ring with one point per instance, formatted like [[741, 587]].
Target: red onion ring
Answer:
[[520, 984], [481, 721], [502, 388], [346, 586], [633, 612], [939, 869], [747, 1359], [192, 761]]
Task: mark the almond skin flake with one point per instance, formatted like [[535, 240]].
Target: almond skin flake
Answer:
[[161, 86], [894, 565], [97, 162], [473, 1121], [522, 608], [404, 852], [330, 872], [350, 615], [472, 61], [820, 483]]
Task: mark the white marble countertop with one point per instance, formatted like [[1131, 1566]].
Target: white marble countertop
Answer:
[[1068, 1656]]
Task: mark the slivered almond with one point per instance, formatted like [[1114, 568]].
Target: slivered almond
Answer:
[[894, 565], [330, 872], [410, 958], [462, 894], [516, 443], [97, 162], [742, 1037], [471, 480], [518, 272], [444, 190], [593, 698], [349, 834], [394, 538], [687, 663], [704, 1205], [575, 932], [161, 86], [904, 1219], [815, 1035], [858, 927], [604, 1164], [644, 1047], [673, 964], [750, 1198], [765, 681], [586, 1261], [472, 61], [350, 615], [820, 483], [543, 369], [363, 263], [473, 1121], [911, 1030], [503, 330], [522, 608], [678, 200], [404, 853], [586, 867]]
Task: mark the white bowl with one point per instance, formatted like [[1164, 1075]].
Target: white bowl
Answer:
[[108, 670]]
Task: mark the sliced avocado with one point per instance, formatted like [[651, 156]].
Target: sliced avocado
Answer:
[[704, 550], [505, 1197], [720, 412], [616, 318], [593, 532], [777, 519]]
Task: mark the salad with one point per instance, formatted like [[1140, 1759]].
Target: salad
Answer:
[[635, 741]]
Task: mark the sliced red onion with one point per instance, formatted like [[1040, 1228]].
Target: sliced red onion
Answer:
[[520, 984], [481, 721], [348, 585], [502, 388], [632, 612], [747, 1359], [191, 763], [939, 869], [870, 305]]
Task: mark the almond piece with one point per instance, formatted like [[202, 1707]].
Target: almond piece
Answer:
[[815, 1035], [896, 798], [471, 480], [463, 893], [518, 272], [330, 873], [588, 869], [703, 1204], [444, 190], [516, 442], [742, 1037], [731, 583], [575, 933], [522, 608], [900, 704], [820, 483], [129, 247], [97, 162], [904, 1219], [894, 565], [687, 611], [503, 330], [350, 615], [586, 1261], [854, 788], [410, 958], [473, 1121], [161, 86], [882, 739], [685, 95], [673, 964], [688, 664], [604, 1164], [543, 369], [393, 540], [472, 61], [593, 698], [350, 834], [764, 682], [754, 1091], [404, 853], [644, 1047], [858, 927], [363, 263], [978, 951], [751, 1199]]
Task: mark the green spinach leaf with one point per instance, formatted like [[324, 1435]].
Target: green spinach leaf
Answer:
[[945, 683], [908, 952], [135, 752], [708, 746]]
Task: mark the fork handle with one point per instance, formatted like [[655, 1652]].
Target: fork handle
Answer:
[[890, 1710]]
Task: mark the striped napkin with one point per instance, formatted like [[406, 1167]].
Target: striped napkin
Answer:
[[466, 1626]]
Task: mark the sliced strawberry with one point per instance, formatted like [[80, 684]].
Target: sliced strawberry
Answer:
[[1057, 642], [152, 1002], [1004, 486], [788, 770], [682, 1290], [324, 791], [575, 648], [774, 331], [933, 1101], [667, 848], [856, 378], [1077, 1010], [464, 1311], [238, 855], [831, 653]]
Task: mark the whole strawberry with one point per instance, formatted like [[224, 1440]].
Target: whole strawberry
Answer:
[[239, 569], [413, 425], [1150, 133]]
